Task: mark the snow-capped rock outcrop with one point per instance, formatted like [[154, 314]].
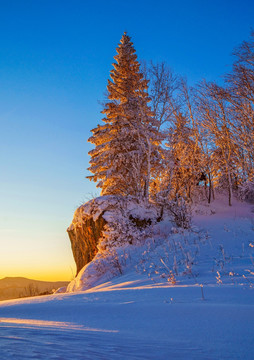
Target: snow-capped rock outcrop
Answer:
[[84, 233], [90, 220]]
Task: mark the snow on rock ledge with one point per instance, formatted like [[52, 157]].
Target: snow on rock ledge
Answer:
[[90, 219]]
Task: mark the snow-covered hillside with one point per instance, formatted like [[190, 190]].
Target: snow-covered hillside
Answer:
[[189, 298], [218, 248]]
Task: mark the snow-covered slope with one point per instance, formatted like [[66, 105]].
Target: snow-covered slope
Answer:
[[207, 314], [219, 248]]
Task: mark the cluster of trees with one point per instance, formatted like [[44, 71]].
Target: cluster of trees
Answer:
[[33, 290], [162, 140]]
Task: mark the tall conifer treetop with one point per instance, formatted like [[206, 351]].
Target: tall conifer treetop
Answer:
[[127, 80], [122, 162]]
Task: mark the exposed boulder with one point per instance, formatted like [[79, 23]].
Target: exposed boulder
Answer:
[[84, 236], [104, 212]]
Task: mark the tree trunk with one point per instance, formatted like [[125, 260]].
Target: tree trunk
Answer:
[[210, 188], [229, 188]]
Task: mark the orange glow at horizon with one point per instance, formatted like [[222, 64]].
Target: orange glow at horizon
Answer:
[[43, 274], [52, 261], [35, 250]]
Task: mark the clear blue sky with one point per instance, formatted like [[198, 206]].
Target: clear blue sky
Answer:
[[55, 58]]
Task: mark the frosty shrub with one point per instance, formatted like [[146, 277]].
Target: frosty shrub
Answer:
[[180, 212], [108, 262], [124, 230], [170, 255], [246, 191]]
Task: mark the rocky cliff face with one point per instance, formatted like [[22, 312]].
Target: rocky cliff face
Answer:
[[87, 226], [84, 237], [86, 229]]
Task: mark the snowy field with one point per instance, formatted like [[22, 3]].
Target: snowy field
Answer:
[[135, 317], [131, 321]]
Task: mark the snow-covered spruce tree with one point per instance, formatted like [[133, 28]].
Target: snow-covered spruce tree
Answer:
[[126, 145]]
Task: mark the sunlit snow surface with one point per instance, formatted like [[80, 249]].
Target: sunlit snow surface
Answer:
[[133, 317]]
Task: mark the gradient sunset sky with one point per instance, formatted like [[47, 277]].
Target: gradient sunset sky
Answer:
[[54, 64]]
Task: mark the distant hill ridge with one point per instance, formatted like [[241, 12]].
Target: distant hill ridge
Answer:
[[16, 287]]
